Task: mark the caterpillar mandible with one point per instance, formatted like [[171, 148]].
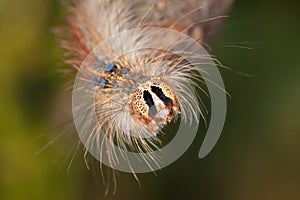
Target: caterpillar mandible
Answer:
[[135, 69]]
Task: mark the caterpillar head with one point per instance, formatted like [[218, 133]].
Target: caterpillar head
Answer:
[[154, 104]]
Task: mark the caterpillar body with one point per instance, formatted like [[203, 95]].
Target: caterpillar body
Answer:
[[130, 72]]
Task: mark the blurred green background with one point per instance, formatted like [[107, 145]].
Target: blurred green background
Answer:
[[255, 158]]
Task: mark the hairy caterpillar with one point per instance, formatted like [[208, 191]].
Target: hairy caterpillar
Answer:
[[134, 67]]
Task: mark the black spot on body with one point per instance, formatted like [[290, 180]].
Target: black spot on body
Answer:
[[110, 68]]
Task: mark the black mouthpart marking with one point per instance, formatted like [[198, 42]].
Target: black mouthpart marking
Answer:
[[149, 101], [158, 91]]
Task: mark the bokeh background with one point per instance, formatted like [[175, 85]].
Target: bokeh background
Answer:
[[257, 156]]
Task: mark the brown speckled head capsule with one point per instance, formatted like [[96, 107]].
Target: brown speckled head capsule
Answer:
[[154, 104]]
